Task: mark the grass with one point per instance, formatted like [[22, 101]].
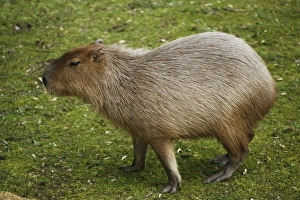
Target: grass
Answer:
[[57, 148]]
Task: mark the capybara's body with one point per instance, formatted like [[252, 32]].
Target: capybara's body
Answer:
[[210, 84]]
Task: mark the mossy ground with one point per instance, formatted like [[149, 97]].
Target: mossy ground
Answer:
[[60, 149]]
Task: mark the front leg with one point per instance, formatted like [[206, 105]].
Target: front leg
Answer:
[[165, 152], [140, 150]]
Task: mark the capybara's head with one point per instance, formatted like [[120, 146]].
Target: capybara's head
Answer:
[[70, 74]]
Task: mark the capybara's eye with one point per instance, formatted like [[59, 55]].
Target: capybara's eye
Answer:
[[74, 63]]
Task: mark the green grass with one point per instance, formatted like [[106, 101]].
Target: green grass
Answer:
[[60, 149]]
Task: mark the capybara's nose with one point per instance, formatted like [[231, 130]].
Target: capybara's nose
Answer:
[[44, 81]]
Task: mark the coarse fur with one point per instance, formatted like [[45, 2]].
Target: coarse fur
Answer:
[[209, 84]]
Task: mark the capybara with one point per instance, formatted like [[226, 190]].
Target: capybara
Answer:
[[209, 84]]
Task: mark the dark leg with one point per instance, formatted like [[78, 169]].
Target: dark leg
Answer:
[[223, 159], [140, 150], [230, 167], [164, 151], [237, 149]]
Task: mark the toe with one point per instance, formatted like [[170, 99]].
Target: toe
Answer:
[[169, 189]]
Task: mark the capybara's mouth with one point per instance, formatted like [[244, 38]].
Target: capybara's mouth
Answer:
[[50, 91], [61, 93]]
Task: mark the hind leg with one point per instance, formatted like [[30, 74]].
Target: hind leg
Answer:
[[223, 159], [230, 167], [237, 148]]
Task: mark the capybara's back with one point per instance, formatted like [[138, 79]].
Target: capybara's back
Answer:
[[210, 84]]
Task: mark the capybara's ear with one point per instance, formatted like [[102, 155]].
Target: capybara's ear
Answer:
[[99, 41], [98, 54]]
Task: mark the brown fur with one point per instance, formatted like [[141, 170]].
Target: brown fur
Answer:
[[210, 84]]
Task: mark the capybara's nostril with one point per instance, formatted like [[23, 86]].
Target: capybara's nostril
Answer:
[[44, 81]]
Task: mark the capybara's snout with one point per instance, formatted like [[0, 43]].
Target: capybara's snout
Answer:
[[44, 80], [46, 74]]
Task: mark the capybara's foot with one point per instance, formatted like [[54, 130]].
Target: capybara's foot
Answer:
[[172, 186], [221, 160], [230, 167], [130, 168], [218, 177]]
